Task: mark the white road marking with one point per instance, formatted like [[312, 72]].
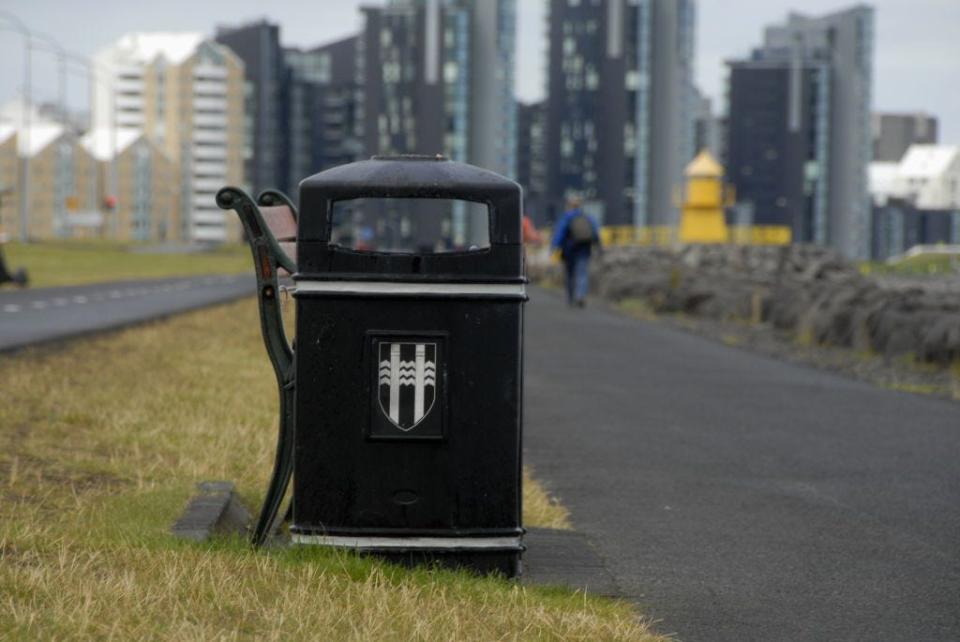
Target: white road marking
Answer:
[[59, 301]]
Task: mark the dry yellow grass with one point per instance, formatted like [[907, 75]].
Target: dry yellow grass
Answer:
[[100, 445], [540, 509]]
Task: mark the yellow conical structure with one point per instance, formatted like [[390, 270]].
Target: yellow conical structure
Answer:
[[702, 219]]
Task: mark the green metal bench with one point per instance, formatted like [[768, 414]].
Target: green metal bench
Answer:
[[270, 224]]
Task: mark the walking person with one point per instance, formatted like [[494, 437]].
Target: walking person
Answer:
[[575, 237]]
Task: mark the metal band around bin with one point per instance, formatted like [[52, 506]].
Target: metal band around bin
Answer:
[[406, 288], [408, 543]]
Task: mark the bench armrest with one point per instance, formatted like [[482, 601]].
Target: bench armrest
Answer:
[[268, 256]]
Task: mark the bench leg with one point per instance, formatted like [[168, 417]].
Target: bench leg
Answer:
[[268, 521]]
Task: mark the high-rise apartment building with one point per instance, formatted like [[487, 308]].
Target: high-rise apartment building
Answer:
[[777, 142], [9, 182], [893, 134], [620, 111], [706, 125], [809, 87], [437, 78], [301, 107], [323, 109], [265, 120], [531, 159], [187, 95]]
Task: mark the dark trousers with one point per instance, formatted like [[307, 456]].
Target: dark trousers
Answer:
[[577, 266]]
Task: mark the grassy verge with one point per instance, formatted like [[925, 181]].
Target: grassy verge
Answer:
[[100, 445], [77, 262]]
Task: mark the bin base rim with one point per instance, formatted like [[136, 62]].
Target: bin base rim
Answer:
[[369, 543]]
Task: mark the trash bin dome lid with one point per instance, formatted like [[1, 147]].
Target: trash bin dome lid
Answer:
[[410, 176], [418, 177]]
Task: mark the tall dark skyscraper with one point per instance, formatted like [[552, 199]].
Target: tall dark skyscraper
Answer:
[[258, 46], [437, 77], [811, 128], [774, 137], [323, 108], [620, 107], [301, 106], [531, 158]]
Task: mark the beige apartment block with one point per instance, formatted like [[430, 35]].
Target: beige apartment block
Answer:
[[61, 182], [186, 94], [142, 181], [9, 183]]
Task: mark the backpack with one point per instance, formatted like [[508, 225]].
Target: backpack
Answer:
[[580, 230]]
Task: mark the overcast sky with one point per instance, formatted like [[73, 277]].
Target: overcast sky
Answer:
[[917, 55]]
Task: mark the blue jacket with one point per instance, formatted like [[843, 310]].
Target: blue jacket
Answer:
[[562, 240]]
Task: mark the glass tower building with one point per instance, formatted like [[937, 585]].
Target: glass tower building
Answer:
[[437, 78], [821, 68], [620, 107]]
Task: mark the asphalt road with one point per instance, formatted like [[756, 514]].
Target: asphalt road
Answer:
[[38, 315], [736, 497]]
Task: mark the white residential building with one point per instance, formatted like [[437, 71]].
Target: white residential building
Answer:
[[186, 94], [928, 177]]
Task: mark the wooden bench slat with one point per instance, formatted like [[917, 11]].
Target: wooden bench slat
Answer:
[[280, 220]]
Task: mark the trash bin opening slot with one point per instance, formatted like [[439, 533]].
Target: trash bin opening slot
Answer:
[[410, 225]]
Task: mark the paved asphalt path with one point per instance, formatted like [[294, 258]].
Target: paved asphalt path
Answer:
[[736, 497], [37, 315]]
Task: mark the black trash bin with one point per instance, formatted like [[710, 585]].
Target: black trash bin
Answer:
[[409, 375]]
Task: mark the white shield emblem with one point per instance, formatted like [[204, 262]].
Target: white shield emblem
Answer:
[[408, 382]]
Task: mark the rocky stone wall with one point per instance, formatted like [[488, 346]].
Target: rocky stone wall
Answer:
[[808, 291]]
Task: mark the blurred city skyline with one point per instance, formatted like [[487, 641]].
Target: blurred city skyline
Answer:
[[917, 56]]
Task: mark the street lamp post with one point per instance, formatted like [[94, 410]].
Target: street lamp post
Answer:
[[64, 57], [24, 134], [55, 47], [101, 74]]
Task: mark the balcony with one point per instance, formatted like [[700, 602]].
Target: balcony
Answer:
[[208, 234], [210, 104], [127, 102], [130, 119], [207, 184], [209, 155], [210, 136], [209, 87], [207, 217], [210, 120], [209, 72], [127, 85]]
